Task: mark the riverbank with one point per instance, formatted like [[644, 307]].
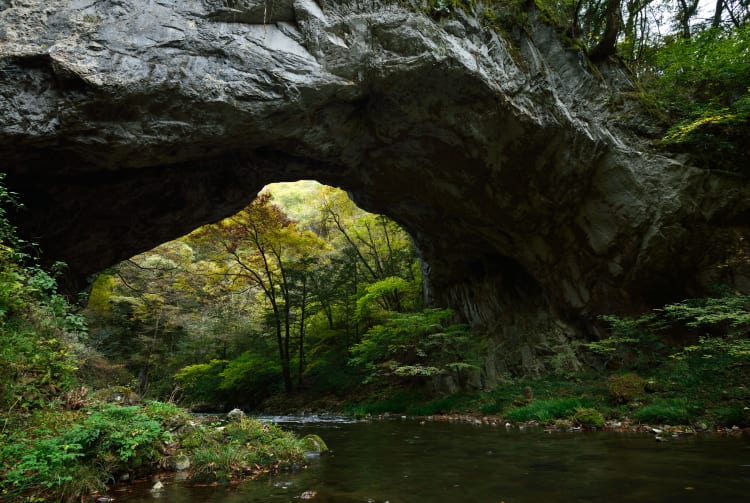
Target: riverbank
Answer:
[[678, 396], [61, 454]]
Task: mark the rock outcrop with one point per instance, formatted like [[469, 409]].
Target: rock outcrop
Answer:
[[527, 180]]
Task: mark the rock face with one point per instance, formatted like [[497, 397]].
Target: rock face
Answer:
[[527, 181]]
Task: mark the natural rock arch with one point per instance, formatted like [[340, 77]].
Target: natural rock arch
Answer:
[[529, 183]]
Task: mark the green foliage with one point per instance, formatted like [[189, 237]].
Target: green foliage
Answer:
[[457, 402], [730, 310], [8, 238], [247, 447], [123, 436], [201, 381], [64, 455], [546, 410], [414, 403], [219, 463], [167, 413], [631, 342], [378, 292], [251, 372], [248, 379], [733, 415], [235, 308], [40, 331], [704, 82], [399, 401], [723, 349], [416, 345], [668, 411]]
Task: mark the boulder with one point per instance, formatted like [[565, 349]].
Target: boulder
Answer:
[[314, 444], [235, 415]]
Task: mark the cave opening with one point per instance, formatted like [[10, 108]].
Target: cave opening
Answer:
[[273, 298]]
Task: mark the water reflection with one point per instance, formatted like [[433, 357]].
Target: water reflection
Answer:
[[408, 462]]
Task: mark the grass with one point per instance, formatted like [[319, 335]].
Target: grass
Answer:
[[546, 410], [398, 402], [220, 463], [458, 402], [668, 410], [244, 448]]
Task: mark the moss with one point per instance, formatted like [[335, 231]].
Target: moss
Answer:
[[588, 418], [626, 387], [313, 443], [91, 19]]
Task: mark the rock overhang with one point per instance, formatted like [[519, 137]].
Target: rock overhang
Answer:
[[124, 123]]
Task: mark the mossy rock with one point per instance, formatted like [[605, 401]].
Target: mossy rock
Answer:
[[588, 418], [313, 443]]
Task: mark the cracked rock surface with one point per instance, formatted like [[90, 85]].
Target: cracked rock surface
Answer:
[[534, 196]]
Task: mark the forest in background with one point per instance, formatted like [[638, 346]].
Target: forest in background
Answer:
[[301, 291]]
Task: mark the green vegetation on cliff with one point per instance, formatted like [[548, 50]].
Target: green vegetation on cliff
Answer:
[[692, 64]]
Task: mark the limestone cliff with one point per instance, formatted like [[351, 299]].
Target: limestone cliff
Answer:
[[528, 182]]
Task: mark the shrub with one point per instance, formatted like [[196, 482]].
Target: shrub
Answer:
[[626, 387], [412, 346], [167, 414], [444, 405], [124, 437], [631, 343], [737, 415], [243, 448]]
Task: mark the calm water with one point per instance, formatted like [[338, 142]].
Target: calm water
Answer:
[[404, 461]]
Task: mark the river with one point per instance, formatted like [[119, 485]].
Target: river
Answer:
[[406, 461]]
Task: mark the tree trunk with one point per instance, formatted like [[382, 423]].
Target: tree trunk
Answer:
[[607, 45], [717, 13], [687, 11], [283, 355], [286, 363], [301, 367]]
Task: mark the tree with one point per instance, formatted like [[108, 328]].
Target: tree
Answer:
[[263, 250], [686, 10], [374, 242], [607, 44], [415, 346], [257, 287]]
